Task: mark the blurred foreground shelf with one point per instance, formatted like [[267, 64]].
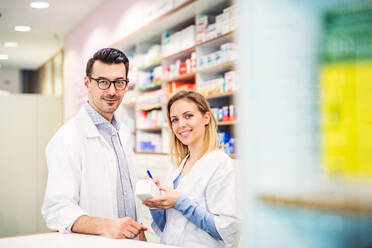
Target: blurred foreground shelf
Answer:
[[354, 201]]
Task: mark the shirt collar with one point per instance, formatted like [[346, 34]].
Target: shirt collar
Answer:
[[98, 119]]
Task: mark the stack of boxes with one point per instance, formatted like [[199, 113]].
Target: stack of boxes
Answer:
[[149, 115], [148, 100], [148, 142], [227, 143], [203, 24], [148, 78], [174, 87], [226, 53], [142, 60], [177, 41], [224, 113], [226, 84], [180, 68], [149, 119], [153, 55], [209, 27]]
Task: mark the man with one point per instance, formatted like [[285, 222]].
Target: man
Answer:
[[91, 179]]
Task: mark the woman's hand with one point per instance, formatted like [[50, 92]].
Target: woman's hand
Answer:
[[165, 201], [155, 180]]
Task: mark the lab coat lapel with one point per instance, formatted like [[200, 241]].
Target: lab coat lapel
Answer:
[[190, 179], [88, 129], [177, 171]]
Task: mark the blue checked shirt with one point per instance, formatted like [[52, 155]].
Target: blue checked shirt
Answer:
[[125, 195]]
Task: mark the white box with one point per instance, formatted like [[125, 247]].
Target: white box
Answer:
[[211, 31], [202, 22], [146, 188], [187, 38], [225, 22], [219, 24], [200, 36], [233, 19]]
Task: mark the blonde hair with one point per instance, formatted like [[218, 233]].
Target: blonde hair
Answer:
[[178, 151]]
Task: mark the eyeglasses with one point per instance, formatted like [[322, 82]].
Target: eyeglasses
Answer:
[[104, 83]]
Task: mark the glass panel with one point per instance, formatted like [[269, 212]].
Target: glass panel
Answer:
[[48, 80], [58, 83]]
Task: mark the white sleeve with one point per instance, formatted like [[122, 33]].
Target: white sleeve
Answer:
[[222, 200], [60, 208]]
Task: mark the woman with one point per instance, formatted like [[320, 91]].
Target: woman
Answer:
[[199, 206]]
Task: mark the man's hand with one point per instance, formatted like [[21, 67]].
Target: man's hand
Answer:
[[123, 228], [113, 228]]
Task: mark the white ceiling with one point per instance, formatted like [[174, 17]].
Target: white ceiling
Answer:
[[48, 28]]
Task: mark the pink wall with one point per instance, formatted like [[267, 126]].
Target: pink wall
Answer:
[[106, 25]]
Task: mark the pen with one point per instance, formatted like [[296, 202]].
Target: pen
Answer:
[[148, 173]]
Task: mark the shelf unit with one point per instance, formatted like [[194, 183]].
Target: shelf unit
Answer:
[[180, 53], [219, 68], [153, 33], [151, 66], [226, 123], [153, 85], [188, 76], [228, 94]]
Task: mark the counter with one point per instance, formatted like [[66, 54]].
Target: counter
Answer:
[[58, 240]]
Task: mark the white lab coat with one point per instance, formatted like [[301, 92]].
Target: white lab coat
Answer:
[[82, 174], [212, 183]]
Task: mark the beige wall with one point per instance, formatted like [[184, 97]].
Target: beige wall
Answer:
[[27, 123], [10, 80]]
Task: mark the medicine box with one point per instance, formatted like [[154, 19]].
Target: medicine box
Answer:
[[202, 22], [146, 188]]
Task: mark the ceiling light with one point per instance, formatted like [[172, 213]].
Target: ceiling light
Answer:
[[22, 28], [3, 56], [39, 5], [10, 44]]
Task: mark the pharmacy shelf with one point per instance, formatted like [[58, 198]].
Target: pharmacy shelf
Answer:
[[221, 39], [151, 33], [342, 202], [151, 86], [228, 94], [226, 123], [151, 66], [189, 76], [177, 16], [219, 68], [150, 107], [179, 54]]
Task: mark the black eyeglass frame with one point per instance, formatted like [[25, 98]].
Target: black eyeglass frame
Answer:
[[111, 82]]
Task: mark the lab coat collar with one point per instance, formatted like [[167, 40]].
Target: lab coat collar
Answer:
[[98, 119], [88, 129], [179, 169]]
